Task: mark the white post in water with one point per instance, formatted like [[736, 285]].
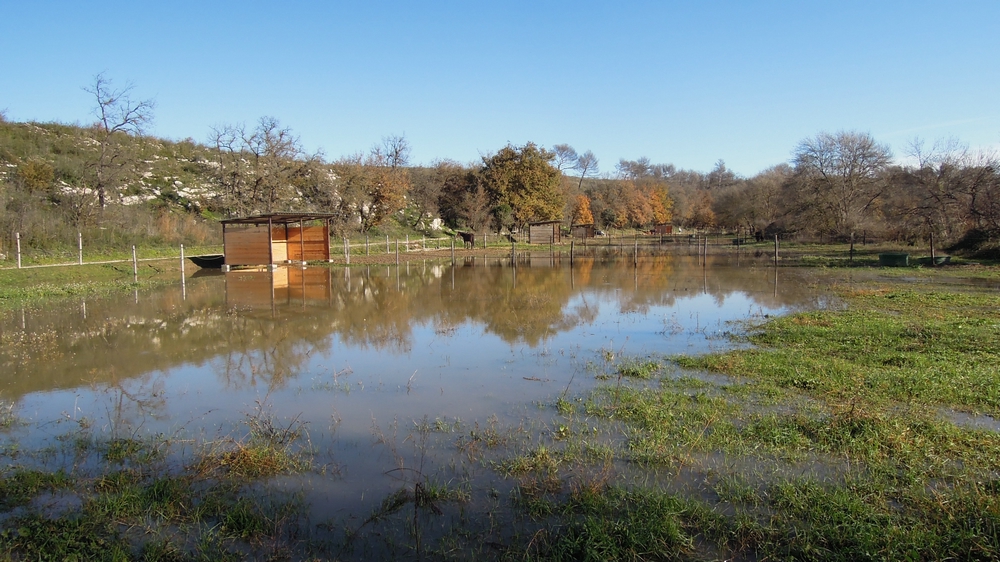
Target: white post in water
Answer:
[[19, 250], [135, 266], [79, 245]]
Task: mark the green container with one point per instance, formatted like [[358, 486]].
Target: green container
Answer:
[[894, 259]]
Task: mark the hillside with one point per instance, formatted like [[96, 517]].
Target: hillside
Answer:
[[168, 173], [157, 192]]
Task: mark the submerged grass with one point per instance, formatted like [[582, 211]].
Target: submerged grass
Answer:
[[829, 440], [137, 507]]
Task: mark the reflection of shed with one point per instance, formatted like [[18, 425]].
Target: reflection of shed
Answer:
[[543, 232], [282, 286], [663, 228], [276, 238], [583, 230]]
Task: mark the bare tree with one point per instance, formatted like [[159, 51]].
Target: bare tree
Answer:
[[119, 117], [586, 164], [394, 151], [633, 169], [565, 157], [259, 168], [841, 176]]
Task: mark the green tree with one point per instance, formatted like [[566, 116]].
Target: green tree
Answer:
[[34, 176], [523, 180]]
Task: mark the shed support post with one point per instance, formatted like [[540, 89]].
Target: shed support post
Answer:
[[302, 241], [270, 242]]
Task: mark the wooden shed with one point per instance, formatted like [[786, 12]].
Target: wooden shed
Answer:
[[276, 238], [546, 232], [663, 228], [583, 230]]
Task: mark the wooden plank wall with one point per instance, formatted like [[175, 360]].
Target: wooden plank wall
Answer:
[[279, 244], [246, 246], [313, 239], [543, 233]]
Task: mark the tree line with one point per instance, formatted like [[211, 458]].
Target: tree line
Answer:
[[110, 178]]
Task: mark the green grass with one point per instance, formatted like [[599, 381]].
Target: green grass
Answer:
[[35, 537], [25, 287], [618, 524], [928, 348], [20, 485]]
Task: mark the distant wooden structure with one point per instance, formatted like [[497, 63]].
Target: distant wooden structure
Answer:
[[583, 231], [663, 228], [276, 238], [546, 232]]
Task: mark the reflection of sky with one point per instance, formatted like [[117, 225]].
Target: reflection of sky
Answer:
[[465, 371], [343, 387]]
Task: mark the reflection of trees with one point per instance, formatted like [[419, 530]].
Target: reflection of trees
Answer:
[[268, 339], [374, 311], [102, 341], [131, 401], [262, 351]]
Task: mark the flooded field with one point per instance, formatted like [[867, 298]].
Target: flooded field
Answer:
[[351, 352], [481, 410]]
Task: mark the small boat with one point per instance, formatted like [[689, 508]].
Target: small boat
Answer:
[[209, 261]]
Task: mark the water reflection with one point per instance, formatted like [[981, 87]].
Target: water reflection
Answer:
[[348, 350], [261, 327]]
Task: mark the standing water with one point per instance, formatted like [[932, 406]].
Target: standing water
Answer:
[[359, 357]]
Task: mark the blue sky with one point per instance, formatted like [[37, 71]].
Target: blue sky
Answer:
[[687, 83]]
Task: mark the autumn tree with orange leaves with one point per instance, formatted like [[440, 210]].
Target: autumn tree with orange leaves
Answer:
[[581, 211]]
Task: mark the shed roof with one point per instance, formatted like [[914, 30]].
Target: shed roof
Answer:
[[279, 218]]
